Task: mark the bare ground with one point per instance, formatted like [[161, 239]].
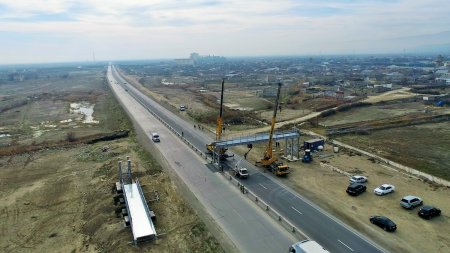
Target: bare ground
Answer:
[[326, 188], [60, 200]]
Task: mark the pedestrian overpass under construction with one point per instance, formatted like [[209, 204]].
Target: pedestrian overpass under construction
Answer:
[[133, 206], [292, 142]]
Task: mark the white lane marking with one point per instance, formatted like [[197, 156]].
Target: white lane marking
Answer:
[[263, 186], [345, 245], [296, 210]]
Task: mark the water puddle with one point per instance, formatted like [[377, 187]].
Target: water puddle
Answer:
[[86, 109]]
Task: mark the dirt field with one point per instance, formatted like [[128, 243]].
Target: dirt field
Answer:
[[390, 95], [379, 111], [60, 200], [327, 189], [423, 147], [49, 206]]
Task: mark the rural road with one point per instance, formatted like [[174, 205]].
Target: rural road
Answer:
[[246, 225], [317, 224]]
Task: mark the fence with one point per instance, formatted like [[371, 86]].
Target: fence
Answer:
[[396, 165], [263, 205]]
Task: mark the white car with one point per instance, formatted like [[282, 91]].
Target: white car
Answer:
[[384, 189], [358, 179]]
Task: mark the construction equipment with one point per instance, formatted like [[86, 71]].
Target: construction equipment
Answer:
[[270, 160], [211, 148], [307, 157]]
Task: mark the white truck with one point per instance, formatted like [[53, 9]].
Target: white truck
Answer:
[[307, 246], [240, 172]]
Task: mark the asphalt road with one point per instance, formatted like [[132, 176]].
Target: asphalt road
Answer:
[[317, 224], [247, 226]]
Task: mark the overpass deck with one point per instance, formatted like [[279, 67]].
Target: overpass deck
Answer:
[[138, 212], [244, 140]]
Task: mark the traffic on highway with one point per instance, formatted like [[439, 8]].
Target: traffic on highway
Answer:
[[315, 223]]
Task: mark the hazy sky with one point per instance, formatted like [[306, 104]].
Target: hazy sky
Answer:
[[70, 30]]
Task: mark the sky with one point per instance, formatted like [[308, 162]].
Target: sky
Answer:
[[34, 31]]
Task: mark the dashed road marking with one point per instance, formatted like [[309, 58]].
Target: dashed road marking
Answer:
[[296, 210], [263, 186], [345, 245]]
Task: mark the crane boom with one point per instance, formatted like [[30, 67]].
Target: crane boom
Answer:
[[268, 156], [219, 118], [211, 148]]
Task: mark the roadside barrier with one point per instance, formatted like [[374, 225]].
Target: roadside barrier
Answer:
[[270, 211], [267, 208]]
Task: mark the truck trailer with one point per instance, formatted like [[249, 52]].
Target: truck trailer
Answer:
[[313, 144], [307, 246]]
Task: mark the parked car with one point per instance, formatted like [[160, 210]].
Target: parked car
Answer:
[[384, 189], [384, 223], [356, 189], [409, 202], [428, 212], [358, 179]]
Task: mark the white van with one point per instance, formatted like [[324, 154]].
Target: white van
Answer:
[[307, 246], [155, 137]]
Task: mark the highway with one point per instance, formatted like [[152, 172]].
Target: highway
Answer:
[[245, 225], [317, 224]]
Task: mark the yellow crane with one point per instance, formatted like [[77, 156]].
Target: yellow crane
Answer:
[[211, 148], [269, 160]]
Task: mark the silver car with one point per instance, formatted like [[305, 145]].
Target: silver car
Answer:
[[384, 189], [358, 179], [409, 202]]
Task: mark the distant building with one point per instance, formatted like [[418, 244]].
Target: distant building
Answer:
[[339, 95], [269, 92], [270, 78], [184, 61], [195, 58]]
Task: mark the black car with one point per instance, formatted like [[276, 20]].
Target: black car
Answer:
[[356, 189], [428, 212], [384, 223]]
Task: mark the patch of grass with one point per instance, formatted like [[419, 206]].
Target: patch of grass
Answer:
[[104, 170], [151, 165], [94, 153], [111, 114], [422, 147]]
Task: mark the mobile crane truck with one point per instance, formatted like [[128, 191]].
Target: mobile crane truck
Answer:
[[269, 160], [211, 148]]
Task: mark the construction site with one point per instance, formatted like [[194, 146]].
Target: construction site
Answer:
[[109, 179], [315, 152]]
